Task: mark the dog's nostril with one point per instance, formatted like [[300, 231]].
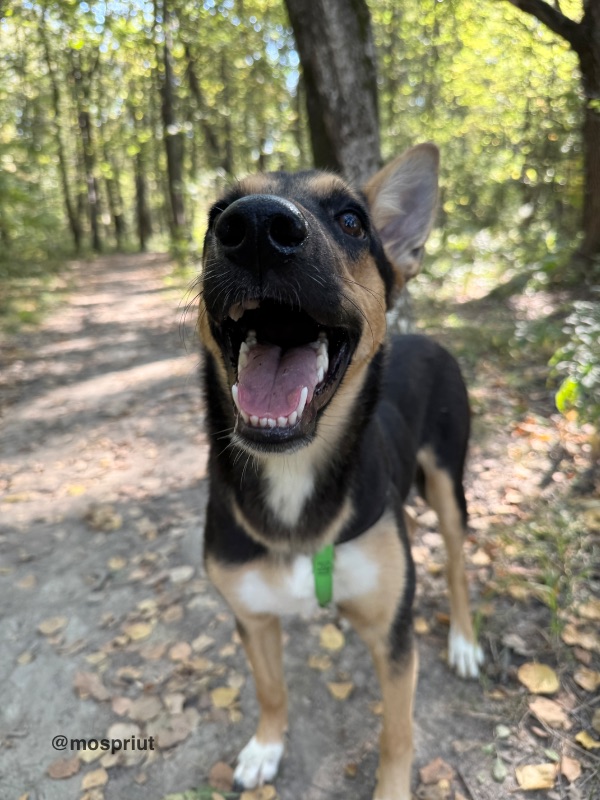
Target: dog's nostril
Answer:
[[231, 230], [287, 231]]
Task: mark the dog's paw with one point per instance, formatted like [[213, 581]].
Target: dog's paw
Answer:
[[464, 656], [257, 764]]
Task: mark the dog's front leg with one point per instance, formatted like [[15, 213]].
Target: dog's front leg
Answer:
[[259, 760]]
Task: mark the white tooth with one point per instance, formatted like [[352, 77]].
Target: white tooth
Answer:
[[250, 304], [254, 420], [271, 422], [263, 422], [282, 422], [320, 374], [244, 348], [315, 345], [245, 416], [293, 418], [302, 402], [323, 337], [236, 311], [234, 394], [242, 361], [322, 349], [251, 338]]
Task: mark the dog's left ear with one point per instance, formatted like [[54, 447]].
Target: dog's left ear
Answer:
[[403, 200]]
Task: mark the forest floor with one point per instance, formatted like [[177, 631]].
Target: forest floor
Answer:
[[109, 627]]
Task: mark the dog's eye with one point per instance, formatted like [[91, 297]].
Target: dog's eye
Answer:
[[351, 224]]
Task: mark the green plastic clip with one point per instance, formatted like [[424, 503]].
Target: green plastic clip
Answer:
[[323, 572]]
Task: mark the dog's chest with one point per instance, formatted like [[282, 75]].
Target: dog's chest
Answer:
[[290, 589]]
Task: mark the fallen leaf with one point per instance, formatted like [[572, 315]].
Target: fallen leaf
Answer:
[[502, 731], [377, 708], [181, 574], [220, 777], [25, 658], [154, 652], [172, 614], [52, 625], [538, 678], [570, 768], [145, 708], [202, 643], [536, 776], [341, 691], [319, 662], [89, 684], [480, 558], [224, 696], [28, 582], [596, 720], [116, 563], [95, 779], [177, 728], [351, 770], [499, 771], [138, 630], [87, 756], [262, 793], [121, 705], [180, 651], [436, 771], [590, 610], [64, 768], [174, 702], [587, 741], [331, 637], [122, 730], [588, 679], [421, 626], [574, 636], [550, 712], [103, 517]]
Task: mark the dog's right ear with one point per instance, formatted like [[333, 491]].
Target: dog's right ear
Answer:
[[403, 200]]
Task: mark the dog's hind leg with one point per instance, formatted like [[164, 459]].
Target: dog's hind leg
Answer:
[[445, 495], [259, 761]]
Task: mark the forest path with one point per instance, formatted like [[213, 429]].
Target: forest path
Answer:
[[108, 618]]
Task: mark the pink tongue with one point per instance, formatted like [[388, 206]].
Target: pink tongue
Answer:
[[271, 383]]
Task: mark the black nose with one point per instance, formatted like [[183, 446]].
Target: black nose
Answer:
[[260, 228]]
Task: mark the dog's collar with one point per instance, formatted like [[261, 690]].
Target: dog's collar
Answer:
[[323, 572]]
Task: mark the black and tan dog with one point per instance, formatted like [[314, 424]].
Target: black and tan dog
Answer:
[[319, 425]]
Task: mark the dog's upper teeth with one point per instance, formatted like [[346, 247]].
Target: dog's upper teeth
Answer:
[[243, 356], [251, 339], [302, 401], [234, 393]]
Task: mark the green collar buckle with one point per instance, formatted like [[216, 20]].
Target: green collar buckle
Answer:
[[323, 572]]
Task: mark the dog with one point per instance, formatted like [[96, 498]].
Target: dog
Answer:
[[319, 424]]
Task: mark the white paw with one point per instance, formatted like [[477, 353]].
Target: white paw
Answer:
[[257, 763], [464, 656]]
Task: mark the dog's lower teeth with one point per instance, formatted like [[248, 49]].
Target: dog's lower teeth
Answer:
[[282, 422], [293, 418], [271, 422], [254, 421], [245, 416], [320, 374]]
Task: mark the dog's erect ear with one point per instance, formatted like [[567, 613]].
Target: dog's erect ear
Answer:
[[403, 201]]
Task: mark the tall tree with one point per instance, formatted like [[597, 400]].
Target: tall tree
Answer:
[[337, 53], [584, 38]]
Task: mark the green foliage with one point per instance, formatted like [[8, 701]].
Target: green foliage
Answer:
[[578, 363]]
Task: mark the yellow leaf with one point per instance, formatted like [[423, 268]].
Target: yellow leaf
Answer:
[[224, 696], [76, 489], [587, 741], [331, 637], [588, 679], [138, 630], [52, 625], [538, 678], [341, 691], [262, 793], [116, 563], [421, 626], [94, 779], [319, 662], [536, 776]]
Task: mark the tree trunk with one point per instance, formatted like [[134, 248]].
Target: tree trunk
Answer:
[[337, 53], [173, 137], [93, 197], [142, 210], [72, 217], [589, 62]]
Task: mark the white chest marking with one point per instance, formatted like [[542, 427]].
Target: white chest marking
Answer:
[[289, 484], [291, 589]]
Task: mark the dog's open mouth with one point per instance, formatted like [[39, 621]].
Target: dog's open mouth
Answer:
[[287, 366]]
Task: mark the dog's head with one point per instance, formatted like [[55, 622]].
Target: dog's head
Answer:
[[298, 272]]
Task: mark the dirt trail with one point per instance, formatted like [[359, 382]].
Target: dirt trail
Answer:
[[102, 482]]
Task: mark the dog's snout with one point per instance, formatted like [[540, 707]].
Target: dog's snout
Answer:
[[260, 225]]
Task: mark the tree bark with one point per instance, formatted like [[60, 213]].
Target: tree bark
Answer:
[[173, 137], [337, 53], [72, 217]]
